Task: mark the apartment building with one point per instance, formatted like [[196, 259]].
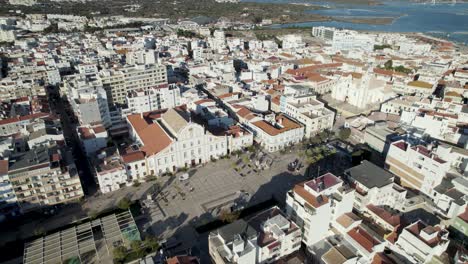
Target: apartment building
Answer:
[[314, 204], [416, 166], [160, 97], [308, 111], [264, 238], [43, 176], [113, 82], [144, 77], [92, 138], [379, 138], [181, 143], [8, 199], [118, 82], [375, 186], [88, 100], [421, 242], [438, 124], [276, 133], [12, 88], [14, 125], [110, 171]]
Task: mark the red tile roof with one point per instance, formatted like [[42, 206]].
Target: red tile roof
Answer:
[[152, 135], [308, 197], [286, 123], [3, 167], [363, 238], [392, 219], [133, 156]]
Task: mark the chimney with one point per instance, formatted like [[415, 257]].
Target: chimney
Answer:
[[141, 115], [280, 121]]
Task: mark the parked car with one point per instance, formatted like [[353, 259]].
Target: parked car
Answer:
[[184, 177], [293, 165]]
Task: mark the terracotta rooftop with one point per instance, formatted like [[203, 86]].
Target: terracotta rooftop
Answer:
[[419, 226], [133, 156], [346, 220], [363, 238], [286, 123], [308, 197], [152, 135], [323, 182], [3, 167], [392, 219]]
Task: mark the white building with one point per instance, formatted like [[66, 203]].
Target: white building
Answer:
[[314, 204], [92, 138], [162, 97], [420, 242], [416, 166], [110, 170], [88, 100], [7, 35], [263, 238], [308, 111], [345, 39], [361, 91], [276, 133], [375, 186], [181, 143]]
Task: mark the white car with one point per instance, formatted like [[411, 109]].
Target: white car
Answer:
[[184, 177]]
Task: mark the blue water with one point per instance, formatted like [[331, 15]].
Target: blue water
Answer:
[[444, 20]]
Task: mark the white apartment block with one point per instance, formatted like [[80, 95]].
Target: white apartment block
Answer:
[[414, 48], [276, 133], [14, 125], [88, 100], [12, 88], [437, 124], [263, 238], [416, 166], [181, 143], [313, 205], [162, 97], [375, 186], [143, 77], [8, 199], [120, 81], [238, 138], [92, 138], [7, 35], [345, 39], [308, 111], [110, 171], [420, 242]]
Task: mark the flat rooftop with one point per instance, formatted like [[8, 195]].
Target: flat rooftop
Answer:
[[370, 175]]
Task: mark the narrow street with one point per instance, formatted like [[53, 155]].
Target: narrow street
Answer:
[[59, 106]]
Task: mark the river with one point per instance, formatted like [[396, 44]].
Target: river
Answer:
[[445, 20]]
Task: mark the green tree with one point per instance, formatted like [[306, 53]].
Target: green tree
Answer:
[[227, 216], [344, 133], [119, 253], [138, 248], [124, 203], [151, 242]]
